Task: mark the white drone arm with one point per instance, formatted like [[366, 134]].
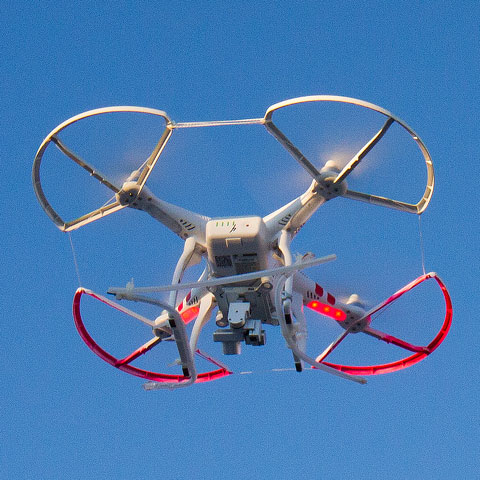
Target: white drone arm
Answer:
[[179, 220], [293, 215]]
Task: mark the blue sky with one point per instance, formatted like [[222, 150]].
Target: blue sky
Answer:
[[66, 414]]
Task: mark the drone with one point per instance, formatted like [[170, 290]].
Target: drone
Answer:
[[251, 277]]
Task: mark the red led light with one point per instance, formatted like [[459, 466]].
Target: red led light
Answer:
[[327, 310], [190, 314]]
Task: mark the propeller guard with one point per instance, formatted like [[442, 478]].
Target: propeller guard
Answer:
[[124, 363], [115, 205], [416, 208], [269, 124], [418, 355]]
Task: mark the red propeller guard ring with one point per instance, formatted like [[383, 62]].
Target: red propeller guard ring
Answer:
[[416, 357], [125, 367]]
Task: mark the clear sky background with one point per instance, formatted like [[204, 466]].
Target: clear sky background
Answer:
[[65, 413]]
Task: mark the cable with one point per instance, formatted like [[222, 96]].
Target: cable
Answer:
[[422, 249], [77, 270]]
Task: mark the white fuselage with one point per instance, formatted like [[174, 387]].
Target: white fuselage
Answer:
[[236, 245]]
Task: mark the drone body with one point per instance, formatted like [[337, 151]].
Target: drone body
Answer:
[[251, 275]]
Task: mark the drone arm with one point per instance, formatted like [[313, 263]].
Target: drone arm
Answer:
[[293, 215], [318, 299], [180, 221]]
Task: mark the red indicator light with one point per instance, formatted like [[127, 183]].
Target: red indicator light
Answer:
[[190, 314], [327, 310]]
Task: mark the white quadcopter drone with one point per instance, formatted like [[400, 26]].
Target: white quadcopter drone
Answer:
[[251, 277]]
